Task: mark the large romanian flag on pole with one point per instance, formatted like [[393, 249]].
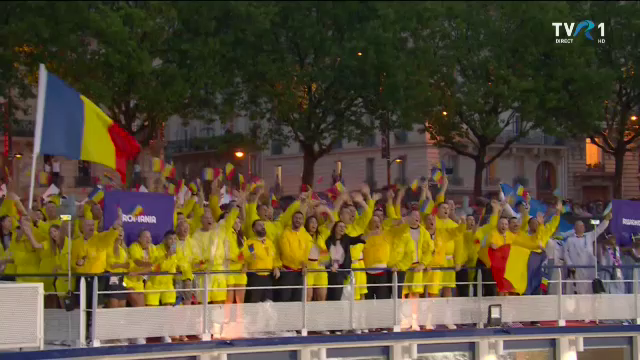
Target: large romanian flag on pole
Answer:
[[70, 125]]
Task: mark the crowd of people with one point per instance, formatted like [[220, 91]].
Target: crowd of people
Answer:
[[426, 247]]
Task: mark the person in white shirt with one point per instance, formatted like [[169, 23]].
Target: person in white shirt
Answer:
[[579, 250]]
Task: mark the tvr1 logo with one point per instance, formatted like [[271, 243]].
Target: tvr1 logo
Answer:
[[584, 26]]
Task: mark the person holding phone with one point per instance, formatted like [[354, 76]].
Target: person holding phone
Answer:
[[260, 260]]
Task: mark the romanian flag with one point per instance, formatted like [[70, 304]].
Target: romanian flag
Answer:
[[194, 188], [415, 184], [229, 171], [157, 164], [255, 183], [43, 178], [171, 189], [274, 201], [96, 195], [169, 171], [520, 190], [137, 211], [436, 175], [241, 184], [207, 174], [340, 187], [70, 125]]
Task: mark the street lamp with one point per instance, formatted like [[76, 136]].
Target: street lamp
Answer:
[[359, 53], [634, 118], [239, 154], [398, 160], [444, 113]]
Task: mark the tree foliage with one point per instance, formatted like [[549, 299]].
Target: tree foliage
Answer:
[[498, 78], [618, 124]]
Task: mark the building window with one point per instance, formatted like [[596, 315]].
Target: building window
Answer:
[[276, 148], [594, 155], [370, 171], [451, 164], [516, 124], [84, 168], [253, 166], [370, 141], [402, 170], [278, 185], [492, 174], [401, 137]]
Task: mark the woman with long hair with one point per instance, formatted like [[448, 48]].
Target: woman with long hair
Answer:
[[117, 262], [26, 251], [54, 258], [234, 244], [317, 281], [339, 245], [141, 257]]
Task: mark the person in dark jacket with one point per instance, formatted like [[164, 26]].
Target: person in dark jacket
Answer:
[[339, 246]]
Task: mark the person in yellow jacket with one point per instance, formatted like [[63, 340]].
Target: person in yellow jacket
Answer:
[[294, 249], [262, 264], [165, 258], [446, 233], [356, 226], [386, 248], [184, 243], [208, 255], [26, 250], [117, 262], [274, 228], [230, 228], [54, 258], [466, 255], [317, 281], [141, 258]]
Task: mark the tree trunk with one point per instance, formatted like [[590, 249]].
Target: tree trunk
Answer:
[[477, 177], [618, 155], [308, 167]]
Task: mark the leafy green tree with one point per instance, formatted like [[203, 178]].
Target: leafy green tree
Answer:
[[495, 64], [618, 124], [304, 69]]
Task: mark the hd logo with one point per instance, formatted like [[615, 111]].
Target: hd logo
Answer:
[[585, 27]]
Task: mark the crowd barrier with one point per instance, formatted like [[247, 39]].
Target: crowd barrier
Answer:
[[276, 318], [21, 316]]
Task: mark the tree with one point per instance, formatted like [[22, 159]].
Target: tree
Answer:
[[497, 75], [304, 69], [618, 129]]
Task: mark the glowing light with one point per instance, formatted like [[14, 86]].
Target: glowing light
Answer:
[[398, 160], [359, 54], [634, 118], [444, 113], [239, 154]]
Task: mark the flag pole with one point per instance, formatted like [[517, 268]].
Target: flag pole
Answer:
[[42, 87]]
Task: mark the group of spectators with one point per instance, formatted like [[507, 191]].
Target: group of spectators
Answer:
[[425, 246]]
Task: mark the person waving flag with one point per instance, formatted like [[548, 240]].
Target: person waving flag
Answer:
[[70, 125]]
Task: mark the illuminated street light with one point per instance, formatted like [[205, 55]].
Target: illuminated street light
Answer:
[[444, 113], [359, 53], [239, 154], [634, 118], [398, 160]]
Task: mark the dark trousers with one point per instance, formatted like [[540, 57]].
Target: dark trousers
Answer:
[[462, 286], [89, 281], [286, 280], [377, 287], [401, 276], [534, 267], [258, 295], [488, 288], [336, 278]]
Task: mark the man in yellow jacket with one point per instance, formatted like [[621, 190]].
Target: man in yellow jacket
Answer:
[[261, 261], [295, 246]]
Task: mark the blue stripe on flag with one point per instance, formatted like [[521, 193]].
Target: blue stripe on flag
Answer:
[[63, 120]]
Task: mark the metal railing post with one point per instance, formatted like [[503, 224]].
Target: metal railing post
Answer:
[[352, 300], [561, 321], [206, 334], [94, 312], [304, 303], [479, 288], [635, 294], [394, 293], [82, 333]]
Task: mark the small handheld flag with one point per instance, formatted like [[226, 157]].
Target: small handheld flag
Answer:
[[207, 174], [194, 188], [241, 182], [96, 195], [436, 175], [229, 171], [217, 174], [415, 184], [137, 211], [169, 171], [43, 178], [607, 210], [340, 187], [274, 201], [520, 190], [157, 164]]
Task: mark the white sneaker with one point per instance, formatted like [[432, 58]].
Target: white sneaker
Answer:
[[357, 331], [451, 327], [166, 340], [140, 341]]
